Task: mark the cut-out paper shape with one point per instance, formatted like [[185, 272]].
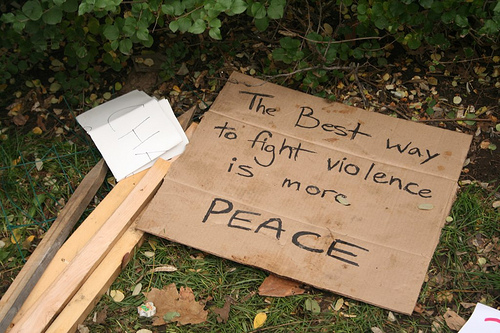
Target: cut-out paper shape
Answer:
[[132, 131], [484, 319]]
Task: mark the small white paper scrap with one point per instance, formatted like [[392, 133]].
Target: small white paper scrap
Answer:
[[132, 131], [484, 319]]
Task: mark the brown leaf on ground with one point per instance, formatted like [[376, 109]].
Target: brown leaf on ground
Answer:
[[223, 313], [101, 315], [20, 119], [453, 320], [168, 300], [279, 287]]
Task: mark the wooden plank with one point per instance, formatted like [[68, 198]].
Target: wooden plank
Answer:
[[31, 272], [99, 281], [80, 237], [38, 317], [97, 284]]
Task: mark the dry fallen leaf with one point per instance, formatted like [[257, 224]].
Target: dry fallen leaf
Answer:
[[426, 206], [100, 316], [338, 304], [149, 254], [117, 295], [453, 320], [169, 299], [223, 313], [259, 320], [165, 268], [279, 287], [137, 289]]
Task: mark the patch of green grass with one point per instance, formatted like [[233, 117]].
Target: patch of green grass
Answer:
[[463, 270], [455, 277], [38, 174]]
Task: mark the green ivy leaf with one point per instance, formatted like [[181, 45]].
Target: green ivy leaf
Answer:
[[93, 25], [115, 44], [8, 18], [70, 6], [215, 23], [262, 23], [223, 5], [362, 8], [289, 43], [85, 8], [448, 17], [314, 36], [215, 33], [275, 11], [53, 16], [168, 9], [413, 42], [142, 34], [198, 27], [461, 21], [258, 10], [426, 3], [81, 52], [358, 53], [125, 46], [111, 32], [174, 26], [238, 7], [279, 54], [33, 10], [184, 24]]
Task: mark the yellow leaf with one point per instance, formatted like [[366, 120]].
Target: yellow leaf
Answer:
[[432, 81], [16, 236], [177, 89], [338, 304], [149, 62], [117, 295], [259, 320], [27, 242], [37, 130]]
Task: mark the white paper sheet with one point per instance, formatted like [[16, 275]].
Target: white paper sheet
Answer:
[[132, 131], [484, 319]]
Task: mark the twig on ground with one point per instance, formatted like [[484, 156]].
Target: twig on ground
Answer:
[[393, 109], [331, 68], [454, 119], [360, 87]]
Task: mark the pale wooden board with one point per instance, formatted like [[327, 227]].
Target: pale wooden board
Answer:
[[66, 285], [97, 283], [38, 261], [80, 237]]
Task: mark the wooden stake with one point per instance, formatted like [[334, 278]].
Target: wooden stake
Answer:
[[19, 290], [96, 284], [79, 238], [57, 295]]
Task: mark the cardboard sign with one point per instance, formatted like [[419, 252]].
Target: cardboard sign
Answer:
[[334, 196]]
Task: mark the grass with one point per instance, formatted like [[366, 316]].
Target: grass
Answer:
[[463, 270], [454, 278]]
